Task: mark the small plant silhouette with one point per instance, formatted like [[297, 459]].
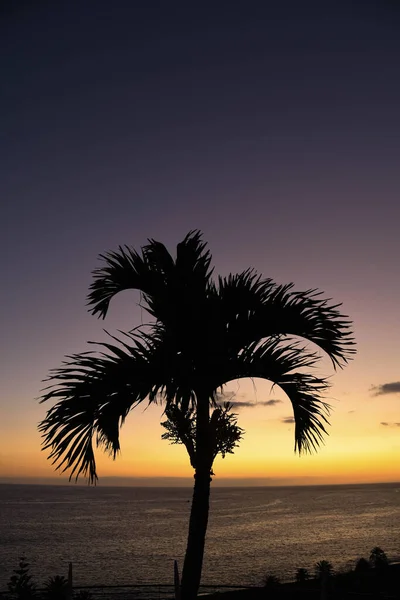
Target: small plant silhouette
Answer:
[[362, 565], [378, 558], [20, 584], [271, 582], [56, 588], [323, 568], [302, 575]]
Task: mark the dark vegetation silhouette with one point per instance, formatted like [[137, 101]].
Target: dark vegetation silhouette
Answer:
[[272, 586], [365, 583], [203, 333], [21, 584], [56, 588], [224, 432], [323, 568], [302, 575], [378, 558], [362, 565]]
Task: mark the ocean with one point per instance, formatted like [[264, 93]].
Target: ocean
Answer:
[[132, 535]]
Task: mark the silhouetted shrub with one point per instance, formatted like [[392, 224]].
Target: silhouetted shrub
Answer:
[[20, 584], [302, 575], [362, 566], [378, 558], [56, 588], [272, 585]]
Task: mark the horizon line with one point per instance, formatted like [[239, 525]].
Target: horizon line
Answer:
[[184, 482]]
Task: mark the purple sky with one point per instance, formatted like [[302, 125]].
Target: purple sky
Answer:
[[272, 127]]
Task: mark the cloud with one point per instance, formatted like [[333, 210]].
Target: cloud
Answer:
[[271, 402], [287, 420], [393, 424], [385, 388], [350, 412], [254, 404]]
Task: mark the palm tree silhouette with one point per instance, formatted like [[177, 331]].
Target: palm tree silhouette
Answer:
[[324, 572], [56, 588], [202, 335], [302, 575], [323, 568]]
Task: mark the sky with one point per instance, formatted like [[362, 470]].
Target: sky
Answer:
[[274, 128]]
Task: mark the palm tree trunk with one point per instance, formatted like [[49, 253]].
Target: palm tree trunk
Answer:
[[193, 563], [192, 566]]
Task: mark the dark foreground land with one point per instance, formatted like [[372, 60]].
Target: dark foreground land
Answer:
[[350, 585], [370, 584]]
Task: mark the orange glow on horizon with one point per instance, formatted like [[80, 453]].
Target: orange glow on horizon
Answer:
[[357, 449]]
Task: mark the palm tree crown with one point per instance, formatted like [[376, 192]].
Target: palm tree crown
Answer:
[[203, 333]]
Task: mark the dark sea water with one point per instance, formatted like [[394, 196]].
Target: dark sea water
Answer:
[[132, 535]]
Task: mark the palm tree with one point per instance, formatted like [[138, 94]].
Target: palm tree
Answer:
[[56, 588], [302, 575], [202, 334], [323, 568], [324, 572]]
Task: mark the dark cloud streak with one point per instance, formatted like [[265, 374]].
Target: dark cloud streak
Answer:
[[287, 420], [244, 404], [392, 387]]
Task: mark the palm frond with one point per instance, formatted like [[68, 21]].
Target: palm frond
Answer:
[[193, 260], [123, 270], [94, 394], [158, 258], [246, 291], [309, 409], [283, 365], [307, 314], [163, 281], [272, 357], [256, 308]]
